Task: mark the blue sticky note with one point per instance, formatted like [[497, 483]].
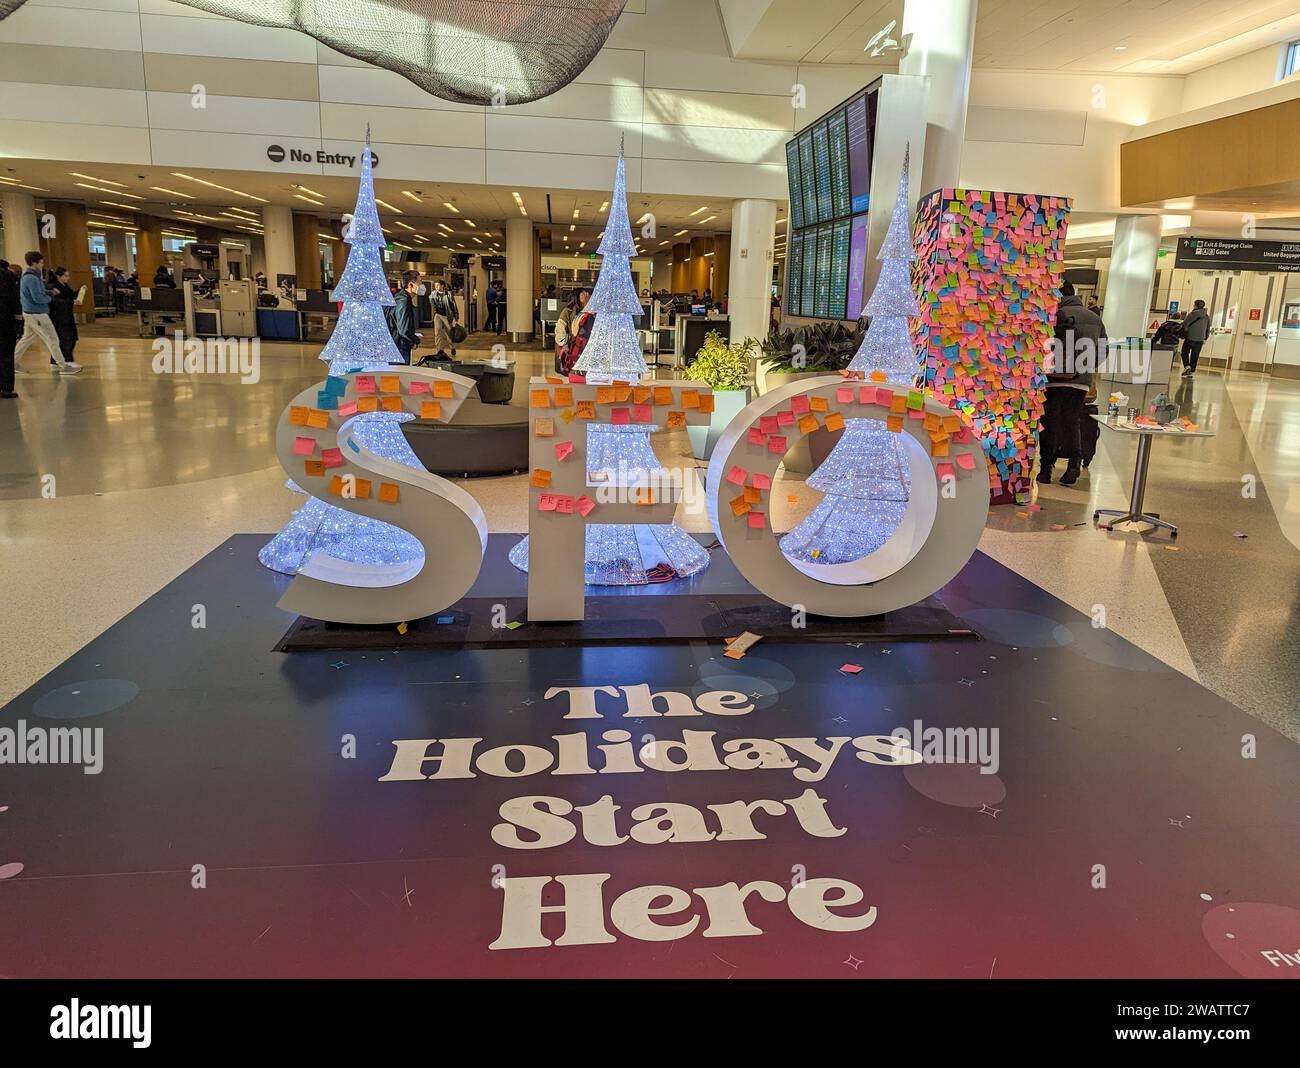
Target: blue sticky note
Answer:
[[337, 386], [446, 619], [327, 401]]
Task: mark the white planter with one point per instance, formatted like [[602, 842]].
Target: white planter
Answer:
[[726, 404]]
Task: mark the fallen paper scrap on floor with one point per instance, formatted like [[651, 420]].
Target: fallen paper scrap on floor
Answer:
[[850, 669], [739, 646]]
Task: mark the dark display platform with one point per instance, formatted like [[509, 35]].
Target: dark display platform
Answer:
[[246, 822]]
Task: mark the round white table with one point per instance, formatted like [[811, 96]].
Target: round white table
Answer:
[[1144, 435]]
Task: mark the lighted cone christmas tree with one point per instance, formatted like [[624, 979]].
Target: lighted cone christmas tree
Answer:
[[360, 341], [622, 554], [865, 479]]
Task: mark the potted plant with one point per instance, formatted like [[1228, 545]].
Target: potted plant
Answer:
[[728, 369]]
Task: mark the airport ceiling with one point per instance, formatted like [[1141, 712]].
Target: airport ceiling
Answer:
[[415, 214]]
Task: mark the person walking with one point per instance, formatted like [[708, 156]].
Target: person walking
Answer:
[[1071, 386], [403, 316], [1196, 328], [443, 306], [493, 297], [63, 312], [35, 303], [9, 309]]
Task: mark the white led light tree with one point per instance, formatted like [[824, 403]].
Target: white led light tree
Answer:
[[865, 478], [622, 554], [360, 341]]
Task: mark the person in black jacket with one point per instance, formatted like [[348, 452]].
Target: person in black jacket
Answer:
[[1071, 385], [404, 317], [162, 278], [9, 309], [63, 313]]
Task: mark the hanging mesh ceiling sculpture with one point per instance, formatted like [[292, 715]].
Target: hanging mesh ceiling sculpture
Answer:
[[471, 51]]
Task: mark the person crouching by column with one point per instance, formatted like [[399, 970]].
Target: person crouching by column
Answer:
[[63, 312], [1080, 348], [36, 316], [402, 316]]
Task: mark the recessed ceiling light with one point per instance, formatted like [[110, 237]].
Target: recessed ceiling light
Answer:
[[470, 222], [385, 204], [110, 192], [451, 207], [223, 188], [679, 233], [698, 210], [313, 192], [101, 181], [403, 225], [172, 192], [605, 206], [408, 193], [115, 204], [314, 203], [1121, 48]]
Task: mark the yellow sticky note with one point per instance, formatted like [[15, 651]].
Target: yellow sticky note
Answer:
[[298, 416], [540, 398], [430, 410], [318, 419], [442, 389], [388, 492], [390, 384], [834, 421]]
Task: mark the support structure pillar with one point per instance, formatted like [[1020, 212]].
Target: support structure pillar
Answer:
[[21, 235], [1132, 271], [520, 278], [753, 230], [943, 41]]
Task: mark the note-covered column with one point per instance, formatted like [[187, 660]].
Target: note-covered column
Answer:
[[988, 269]]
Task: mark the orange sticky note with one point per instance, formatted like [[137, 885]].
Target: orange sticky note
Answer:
[[834, 421], [393, 404], [563, 396], [939, 448], [586, 409], [430, 410], [442, 389], [818, 404], [951, 424], [544, 428], [676, 419], [390, 384], [622, 391], [298, 416], [898, 403], [314, 468], [739, 506], [554, 380], [541, 478], [336, 485], [363, 489], [690, 398], [808, 424], [878, 376], [645, 495], [540, 398], [895, 422], [367, 404], [663, 394], [641, 394], [753, 495], [388, 492], [604, 394], [706, 402], [318, 419]]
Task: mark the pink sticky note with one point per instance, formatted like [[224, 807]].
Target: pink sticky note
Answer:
[[915, 413], [578, 380], [756, 520], [960, 437], [884, 396], [799, 404], [756, 436], [563, 449], [776, 444], [643, 413], [784, 418], [966, 461], [944, 471], [546, 502], [844, 395], [331, 457], [767, 424], [620, 416], [737, 475], [347, 410], [304, 446], [564, 505], [418, 385], [365, 383], [762, 482], [585, 505], [850, 669]]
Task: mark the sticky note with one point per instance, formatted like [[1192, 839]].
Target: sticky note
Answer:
[[818, 404], [544, 427], [318, 419], [546, 502], [641, 394], [844, 395], [586, 409], [390, 384], [808, 424], [762, 482], [442, 389], [894, 422], [663, 394], [753, 495], [348, 409], [776, 443], [622, 391], [304, 446], [541, 478], [417, 385], [834, 421], [365, 383], [540, 398], [585, 505], [645, 496], [567, 415], [393, 404], [767, 424], [367, 404], [884, 396], [739, 506], [757, 520], [737, 475], [966, 461], [563, 450], [756, 436], [604, 394], [676, 419], [564, 505], [430, 409], [326, 401], [944, 471], [850, 669], [642, 413], [313, 468], [706, 402], [620, 416], [898, 403], [336, 485], [866, 394], [554, 379], [332, 457], [298, 415], [799, 403], [388, 492], [939, 448], [878, 376], [915, 400], [690, 398], [784, 418]]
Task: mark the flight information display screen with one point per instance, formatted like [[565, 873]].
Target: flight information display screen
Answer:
[[829, 170]]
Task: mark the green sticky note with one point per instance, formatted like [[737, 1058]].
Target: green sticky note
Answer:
[[514, 624]]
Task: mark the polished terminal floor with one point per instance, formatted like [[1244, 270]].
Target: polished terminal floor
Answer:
[[116, 481]]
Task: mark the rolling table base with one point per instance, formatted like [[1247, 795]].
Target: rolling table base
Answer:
[[1135, 513]]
